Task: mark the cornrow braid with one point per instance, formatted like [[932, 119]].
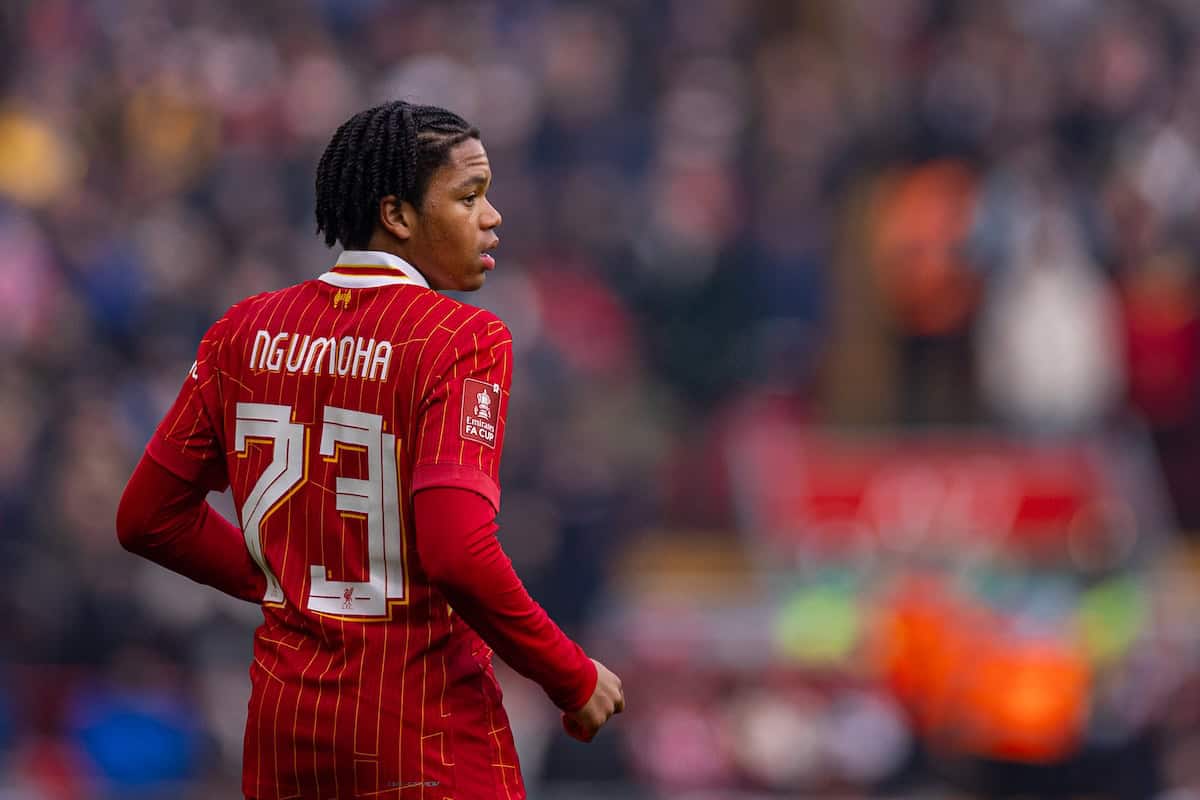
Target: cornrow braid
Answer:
[[391, 149]]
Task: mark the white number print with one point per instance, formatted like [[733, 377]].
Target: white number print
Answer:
[[262, 421], [375, 497]]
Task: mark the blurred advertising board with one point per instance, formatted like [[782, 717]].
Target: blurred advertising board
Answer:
[[839, 495]]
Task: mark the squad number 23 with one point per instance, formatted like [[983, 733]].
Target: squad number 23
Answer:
[[375, 498]]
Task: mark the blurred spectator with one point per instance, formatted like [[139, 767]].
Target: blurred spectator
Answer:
[[922, 220], [1050, 349]]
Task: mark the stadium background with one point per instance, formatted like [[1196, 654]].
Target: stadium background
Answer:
[[856, 420]]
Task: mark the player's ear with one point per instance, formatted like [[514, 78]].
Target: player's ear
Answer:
[[396, 217]]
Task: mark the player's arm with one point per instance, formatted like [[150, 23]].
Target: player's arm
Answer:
[[167, 520], [163, 515], [457, 544], [457, 495], [456, 540]]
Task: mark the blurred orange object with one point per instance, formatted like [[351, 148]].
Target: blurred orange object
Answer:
[[1026, 701], [973, 687], [922, 647]]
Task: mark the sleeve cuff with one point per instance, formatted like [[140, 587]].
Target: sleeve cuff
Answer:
[[581, 692], [429, 476]]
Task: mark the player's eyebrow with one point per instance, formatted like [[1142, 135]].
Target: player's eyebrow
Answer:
[[474, 181]]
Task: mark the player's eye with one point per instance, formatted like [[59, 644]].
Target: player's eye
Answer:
[[470, 199]]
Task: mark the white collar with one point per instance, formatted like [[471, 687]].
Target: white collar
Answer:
[[361, 269]]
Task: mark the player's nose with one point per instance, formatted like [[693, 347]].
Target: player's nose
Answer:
[[491, 217]]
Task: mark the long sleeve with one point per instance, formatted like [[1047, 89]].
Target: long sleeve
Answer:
[[457, 545], [167, 520]]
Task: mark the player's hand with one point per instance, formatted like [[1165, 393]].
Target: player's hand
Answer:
[[607, 699]]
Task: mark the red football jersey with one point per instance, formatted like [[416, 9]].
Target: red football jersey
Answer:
[[325, 406]]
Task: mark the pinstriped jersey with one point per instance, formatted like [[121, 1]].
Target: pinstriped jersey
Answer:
[[324, 406]]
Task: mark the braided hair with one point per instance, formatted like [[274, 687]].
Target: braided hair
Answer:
[[391, 149]]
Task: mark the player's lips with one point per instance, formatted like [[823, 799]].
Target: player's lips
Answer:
[[489, 263]]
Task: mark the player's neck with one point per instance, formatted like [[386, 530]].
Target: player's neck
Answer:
[[383, 242]]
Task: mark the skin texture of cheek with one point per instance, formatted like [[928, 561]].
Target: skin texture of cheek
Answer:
[[450, 259], [454, 241], [427, 246]]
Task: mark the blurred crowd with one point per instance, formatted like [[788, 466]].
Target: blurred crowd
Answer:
[[910, 214]]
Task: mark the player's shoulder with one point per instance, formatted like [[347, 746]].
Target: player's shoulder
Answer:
[[460, 330], [464, 323], [249, 304], [252, 307]]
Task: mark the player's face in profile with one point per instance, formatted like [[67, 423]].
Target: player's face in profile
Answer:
[[456, 225]]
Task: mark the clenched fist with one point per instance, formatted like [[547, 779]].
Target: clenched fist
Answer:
[[607, 699]]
